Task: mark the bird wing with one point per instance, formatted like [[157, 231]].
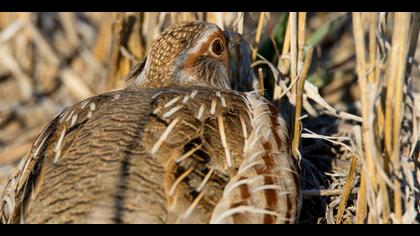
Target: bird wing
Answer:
[[266, 187], [158, 155], [53, 142]]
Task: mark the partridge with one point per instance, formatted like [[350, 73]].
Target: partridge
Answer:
[[177, 145]]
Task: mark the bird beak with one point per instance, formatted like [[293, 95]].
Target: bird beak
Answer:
[[241, 74], [233, 39]]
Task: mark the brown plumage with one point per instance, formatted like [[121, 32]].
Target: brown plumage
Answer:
[[176, 146]]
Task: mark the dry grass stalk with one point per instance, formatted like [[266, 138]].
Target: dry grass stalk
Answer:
[[43, 45], [301, 38], [373, 76], [103, 46], [115, 62], [298, 105], [14, 153], [240, 22], [261, 79], [23, 80], [361, 208], [258, 35], [346, 189], [69, 24], [307, 193], [367, 104], [399, 53], [76, 84], [380, 126], [293, 48], [284, 63], [300, 41]]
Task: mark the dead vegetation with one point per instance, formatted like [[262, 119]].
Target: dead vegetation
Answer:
[[349, 84]]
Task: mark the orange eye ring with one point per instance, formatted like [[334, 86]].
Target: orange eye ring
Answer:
[[217, 48]]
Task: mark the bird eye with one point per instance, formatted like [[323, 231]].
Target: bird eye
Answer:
[[217, 47]]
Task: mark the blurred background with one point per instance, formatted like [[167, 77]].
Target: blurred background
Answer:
[[348, 84]]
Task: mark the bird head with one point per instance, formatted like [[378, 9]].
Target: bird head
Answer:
[[187, 54]]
